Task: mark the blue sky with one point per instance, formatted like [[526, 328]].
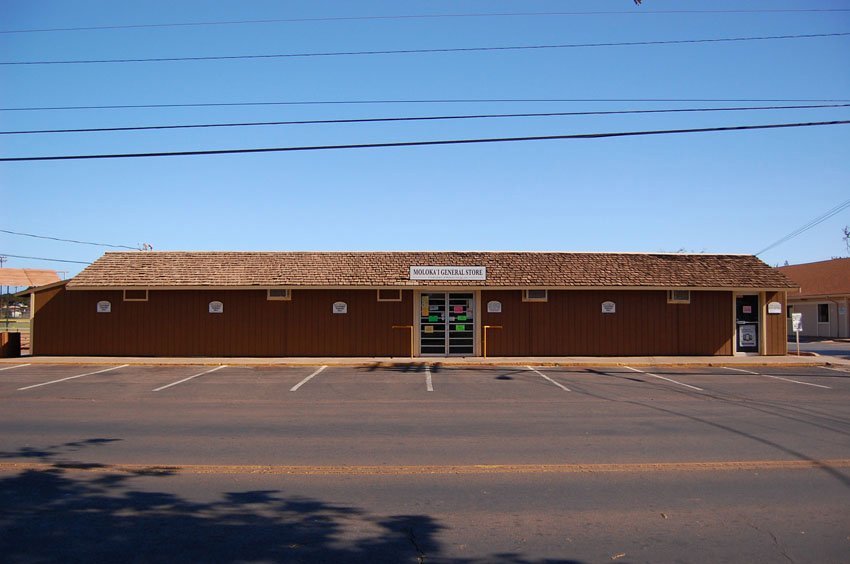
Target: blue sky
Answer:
[[715, 192]]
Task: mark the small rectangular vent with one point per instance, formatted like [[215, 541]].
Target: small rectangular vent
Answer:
[[135, 295], [279, 294], [678, 296], [535, 295], [390, 295]]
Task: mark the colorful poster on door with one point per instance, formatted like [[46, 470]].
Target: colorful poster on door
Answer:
[[429, 328], [425, 308], [458, 309]]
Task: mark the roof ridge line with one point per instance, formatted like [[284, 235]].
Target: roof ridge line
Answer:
[[666, 253]]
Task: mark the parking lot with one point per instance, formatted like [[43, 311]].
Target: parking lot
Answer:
[[426, 381], [454, 462], [428, 413]]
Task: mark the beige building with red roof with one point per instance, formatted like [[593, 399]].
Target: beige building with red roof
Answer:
[[823, 297], [412, 304], [26, 277]]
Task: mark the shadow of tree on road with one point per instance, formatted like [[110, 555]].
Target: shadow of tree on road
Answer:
[[82, 512], [749, 404]]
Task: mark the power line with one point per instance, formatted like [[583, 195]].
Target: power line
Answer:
[[413, 118], [820, 219], [425, 51], [426, 101], [421, 143], [47, 259], [68, 240], [422, 16]]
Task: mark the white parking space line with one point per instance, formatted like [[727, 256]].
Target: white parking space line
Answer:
[[307, 379], [826, 367], [190, 377], [429, 385], [566, 389], [73, 377], [779, 378], [11, 367], [796, 381], [663, 378], [741, 370]]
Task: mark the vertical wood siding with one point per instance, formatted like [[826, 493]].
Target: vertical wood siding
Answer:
[[178, 323], [776, 326], [10, 344], [571, 323]]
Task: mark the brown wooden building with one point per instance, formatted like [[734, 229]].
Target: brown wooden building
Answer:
[[401, 304]]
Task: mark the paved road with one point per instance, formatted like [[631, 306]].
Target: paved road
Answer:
[[839, 349], [444, 464]]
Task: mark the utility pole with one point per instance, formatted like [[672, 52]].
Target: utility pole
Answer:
[[3, 309]]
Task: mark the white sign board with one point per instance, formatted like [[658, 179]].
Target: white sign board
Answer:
[[340, 307], [609, 307], [494, 307], [104, 307], [774, 307], [747, 336], [448, 273], [216, 307], [797, 322]]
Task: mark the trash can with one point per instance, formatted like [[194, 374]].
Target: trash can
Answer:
[[10, 345]]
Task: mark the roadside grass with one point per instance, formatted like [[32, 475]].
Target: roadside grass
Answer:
[[15, 325]]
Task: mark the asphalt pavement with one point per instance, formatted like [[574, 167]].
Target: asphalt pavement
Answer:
[[424, 463], [831, 349]]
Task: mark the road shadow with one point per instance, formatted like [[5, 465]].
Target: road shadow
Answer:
[[835, 373], [620, 376], [67, 511], [841, 477], [406, 367]]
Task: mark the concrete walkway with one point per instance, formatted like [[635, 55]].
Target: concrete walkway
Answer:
[[450, 361]]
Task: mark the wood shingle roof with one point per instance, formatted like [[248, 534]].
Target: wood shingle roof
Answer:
[[223, 269]]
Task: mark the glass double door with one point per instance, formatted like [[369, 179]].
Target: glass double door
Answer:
[[447, 323]]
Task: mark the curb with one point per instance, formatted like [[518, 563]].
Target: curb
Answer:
[[821, 361]]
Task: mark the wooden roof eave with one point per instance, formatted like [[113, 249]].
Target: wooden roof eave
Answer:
[[830, 296], [35, 289], [433, 286]]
